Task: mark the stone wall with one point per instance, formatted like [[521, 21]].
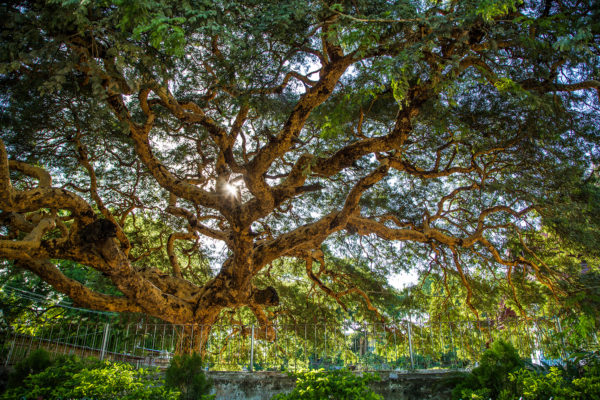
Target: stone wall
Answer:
[[394, 385]]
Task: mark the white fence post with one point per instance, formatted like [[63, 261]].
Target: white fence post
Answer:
[[104, 340], [252, 349], [410, 346]]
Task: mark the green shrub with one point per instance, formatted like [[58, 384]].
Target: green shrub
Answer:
[[338, 385], [582, 363], [72, 378], [492, 375], [45, 382], [531, 385], [116, 381], [572, 383], [502, 376], [587, 387], [186, 375], [36, 362], [475, 394]]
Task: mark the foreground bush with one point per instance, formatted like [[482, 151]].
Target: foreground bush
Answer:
[[502, 376], [492, 376], [555, 384], [73, 378], [185, 374], [48, 371], [338, 385], [37, 361]]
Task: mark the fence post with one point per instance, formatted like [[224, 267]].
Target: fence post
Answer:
[[562, 338], [104, 340], [395, 341], [12, 348], [305, 355], [410, 346], [325, 345], [252, 349]]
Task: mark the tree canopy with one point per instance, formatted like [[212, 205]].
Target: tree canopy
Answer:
[[205, 155]]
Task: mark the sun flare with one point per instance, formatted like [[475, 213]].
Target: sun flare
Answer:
[[232, 190]]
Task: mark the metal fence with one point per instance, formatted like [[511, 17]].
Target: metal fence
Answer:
[[405, 344]]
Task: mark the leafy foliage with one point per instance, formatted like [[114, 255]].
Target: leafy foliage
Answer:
[[579, 380], [70, 377], [502, 376], [491, 377], [339, 385], [49, 373], [186, 375], [35, 363], [535, 386]]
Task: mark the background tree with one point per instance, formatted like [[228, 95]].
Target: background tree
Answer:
[[185, 150]]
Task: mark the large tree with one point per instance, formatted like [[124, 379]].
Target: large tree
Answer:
[[388, 135]]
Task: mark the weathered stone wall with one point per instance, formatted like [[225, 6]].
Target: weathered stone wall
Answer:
[[394, 385]]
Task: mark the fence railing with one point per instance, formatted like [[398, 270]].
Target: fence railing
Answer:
[[405, 344]]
